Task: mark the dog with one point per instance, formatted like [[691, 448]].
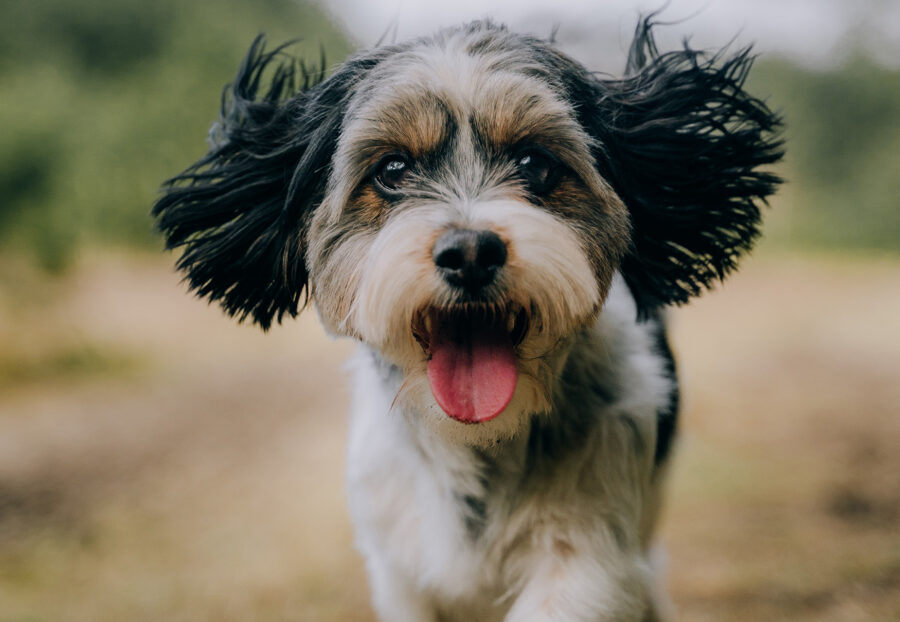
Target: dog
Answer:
[[501, 231]]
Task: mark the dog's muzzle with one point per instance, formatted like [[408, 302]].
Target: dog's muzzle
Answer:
[[471, 345]]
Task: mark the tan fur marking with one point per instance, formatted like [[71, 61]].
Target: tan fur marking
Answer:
[[367, 205], [563, 548], [509, 115], [416, 123]]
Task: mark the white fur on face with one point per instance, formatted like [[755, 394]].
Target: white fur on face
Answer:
[[460, 117], [547, 272]]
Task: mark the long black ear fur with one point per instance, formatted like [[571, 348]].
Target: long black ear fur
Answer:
[[682, 143], [240, 211]]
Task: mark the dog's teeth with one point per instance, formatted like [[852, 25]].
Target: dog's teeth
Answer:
[[511, 323], [427, 323]]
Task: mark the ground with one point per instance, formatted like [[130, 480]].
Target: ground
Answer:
[[159, 463]]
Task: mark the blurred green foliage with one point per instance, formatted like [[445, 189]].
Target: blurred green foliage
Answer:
[[101, 100], [843, 154], [104, 99]]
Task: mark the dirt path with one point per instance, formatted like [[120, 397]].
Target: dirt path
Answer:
[[186, 469]]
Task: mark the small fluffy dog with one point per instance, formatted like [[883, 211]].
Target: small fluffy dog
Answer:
[[500, 230]]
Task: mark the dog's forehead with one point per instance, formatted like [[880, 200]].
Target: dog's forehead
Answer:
[[502, 90]]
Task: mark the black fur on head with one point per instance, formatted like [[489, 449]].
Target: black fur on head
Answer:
[[682, 143], [240, 211]]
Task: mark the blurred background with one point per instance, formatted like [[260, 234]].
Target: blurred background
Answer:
[[159, 462]]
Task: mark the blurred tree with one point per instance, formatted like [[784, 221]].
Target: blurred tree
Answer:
[[104, 99], [843, 155]]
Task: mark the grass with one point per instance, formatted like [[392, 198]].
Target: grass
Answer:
[[23, 370], [209, 485]]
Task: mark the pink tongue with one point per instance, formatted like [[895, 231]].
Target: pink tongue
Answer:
[[473, 379]]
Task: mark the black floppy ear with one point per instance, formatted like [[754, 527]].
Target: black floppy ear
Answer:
[[241, 210], [682, 143]]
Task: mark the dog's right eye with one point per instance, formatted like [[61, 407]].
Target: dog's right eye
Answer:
[[392, 171]]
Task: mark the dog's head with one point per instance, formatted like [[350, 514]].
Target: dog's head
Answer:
[[461, 203]]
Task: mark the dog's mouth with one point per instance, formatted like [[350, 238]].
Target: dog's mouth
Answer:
[[471, 352]]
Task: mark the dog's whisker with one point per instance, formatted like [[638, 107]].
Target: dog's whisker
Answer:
[[398, 395]]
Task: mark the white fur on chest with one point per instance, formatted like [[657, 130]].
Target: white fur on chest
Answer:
[[404, 503]]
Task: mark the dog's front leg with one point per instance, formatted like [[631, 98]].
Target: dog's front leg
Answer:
[[396, 599], [567, 585]]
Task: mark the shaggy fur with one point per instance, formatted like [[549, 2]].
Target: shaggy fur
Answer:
[[608, 199]]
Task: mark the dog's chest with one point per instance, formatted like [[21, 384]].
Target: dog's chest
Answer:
[[429, 528]]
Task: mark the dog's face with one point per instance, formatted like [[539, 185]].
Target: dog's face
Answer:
[[461, 203], [465, 233]]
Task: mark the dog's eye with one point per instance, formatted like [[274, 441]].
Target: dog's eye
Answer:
[[392, 171], [539, 170]]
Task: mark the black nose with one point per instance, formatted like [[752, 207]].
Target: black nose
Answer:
[[469, 259]]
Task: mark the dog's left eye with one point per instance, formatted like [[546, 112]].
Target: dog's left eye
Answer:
[[539, 170], [392, 171]]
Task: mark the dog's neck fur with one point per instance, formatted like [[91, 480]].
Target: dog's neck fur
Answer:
[[589, 459]]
